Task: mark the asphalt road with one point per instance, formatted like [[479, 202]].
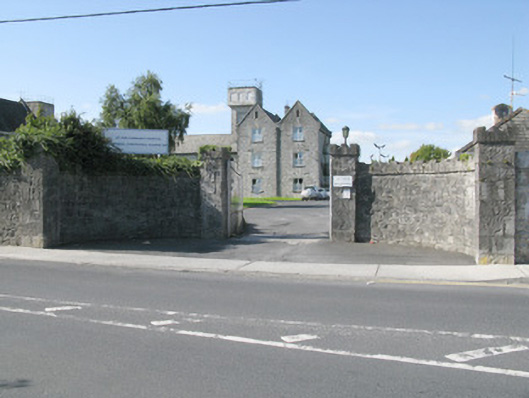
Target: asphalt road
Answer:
[[78, 331], [291, 232]]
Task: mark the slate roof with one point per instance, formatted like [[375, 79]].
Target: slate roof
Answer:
[[192, 143], [520, 113], [12, 115], [323, 128], [275, 118]]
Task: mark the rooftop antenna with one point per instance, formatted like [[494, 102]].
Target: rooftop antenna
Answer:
[[512, 79], [380, 147]]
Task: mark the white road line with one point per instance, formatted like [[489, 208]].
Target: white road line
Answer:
[[289, 346], [28, 312], [485, 352], [383, 329], [64, 308], [165, 323], [298, 338], [390, 358]]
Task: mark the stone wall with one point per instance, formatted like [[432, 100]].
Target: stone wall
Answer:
[[41, 207], [115, 207], [21, 219], [494, 153], [425, 204], [522, 208], [22, 205], [344, 164]]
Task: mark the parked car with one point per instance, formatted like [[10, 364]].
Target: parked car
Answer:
[[324, 193], [314, 193]]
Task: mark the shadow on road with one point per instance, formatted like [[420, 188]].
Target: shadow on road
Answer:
[[292, 232], [19, 383]]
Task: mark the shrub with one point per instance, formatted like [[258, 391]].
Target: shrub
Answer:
[[429, 152], [80, 147]]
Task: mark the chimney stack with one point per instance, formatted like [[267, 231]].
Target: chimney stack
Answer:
[[287, 108], [500, 112]]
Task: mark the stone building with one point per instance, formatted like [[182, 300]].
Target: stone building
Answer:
[[13, 113], [276, 156]]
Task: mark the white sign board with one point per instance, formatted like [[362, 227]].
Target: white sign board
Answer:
[[140, 142], [342, 181]]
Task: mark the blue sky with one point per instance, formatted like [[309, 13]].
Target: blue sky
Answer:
[[398, 73]]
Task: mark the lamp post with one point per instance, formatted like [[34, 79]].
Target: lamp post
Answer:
[[345, 133]]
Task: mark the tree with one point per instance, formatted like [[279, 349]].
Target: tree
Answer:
[[429, 152], [142, 108]]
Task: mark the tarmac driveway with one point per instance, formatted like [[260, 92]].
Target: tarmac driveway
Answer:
[[289, 231]]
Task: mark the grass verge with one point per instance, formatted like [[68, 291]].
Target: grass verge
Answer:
[[260, 202]]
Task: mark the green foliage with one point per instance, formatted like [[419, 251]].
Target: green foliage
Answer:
[[208, 148], [42, 133], [142, 108], [465, 157], [80, 147], [429, 152], [258, 202]]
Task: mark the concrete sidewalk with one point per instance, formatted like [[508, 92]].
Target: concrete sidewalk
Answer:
[[367, 272]]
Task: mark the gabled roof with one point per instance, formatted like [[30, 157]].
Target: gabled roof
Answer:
[[12, 115], [322, 126], [274, 118], [193, 142], [495, 127]]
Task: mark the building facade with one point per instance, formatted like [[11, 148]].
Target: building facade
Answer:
[[278, 156]]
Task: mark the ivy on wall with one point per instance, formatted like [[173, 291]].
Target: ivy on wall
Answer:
[[79, 146]]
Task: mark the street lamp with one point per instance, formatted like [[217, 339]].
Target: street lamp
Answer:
[[345, 133]]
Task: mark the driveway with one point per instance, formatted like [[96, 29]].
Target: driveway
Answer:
[[289, 231]]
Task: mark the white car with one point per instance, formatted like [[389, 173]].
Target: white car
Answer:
[[314, 193], [324, 193]]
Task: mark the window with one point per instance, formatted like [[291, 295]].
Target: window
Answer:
[[256, 115], [298, 159], [256, 185], [298, 185], [297, 134], [257, 135], [257, 160], [297, 112]]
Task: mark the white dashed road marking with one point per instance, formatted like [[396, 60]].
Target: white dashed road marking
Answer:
[[163, 326], [299, 337], [65, 308], [485, 352], [165, 323]]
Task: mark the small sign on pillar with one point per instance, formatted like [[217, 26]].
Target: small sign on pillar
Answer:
[[342, 181]]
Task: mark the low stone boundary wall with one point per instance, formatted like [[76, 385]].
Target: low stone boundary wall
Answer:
[[425, 204], [42, 207]]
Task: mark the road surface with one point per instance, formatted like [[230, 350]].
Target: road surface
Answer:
[[89, 331]]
